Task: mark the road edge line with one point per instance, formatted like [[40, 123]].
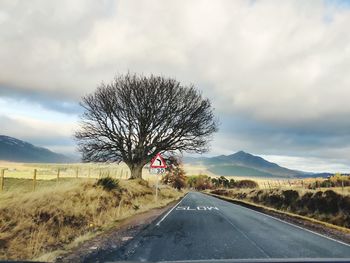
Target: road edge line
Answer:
[[161, 220], [238, 202]]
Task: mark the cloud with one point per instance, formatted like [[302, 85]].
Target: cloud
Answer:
[[276, 72], [328, 143], [37, 98], [38, 132], [40, 45], [277, 62]]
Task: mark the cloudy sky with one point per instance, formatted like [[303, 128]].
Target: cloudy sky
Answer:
[[277, 72]]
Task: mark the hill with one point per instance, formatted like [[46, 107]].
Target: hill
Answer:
[[14, 150], [246, 164]]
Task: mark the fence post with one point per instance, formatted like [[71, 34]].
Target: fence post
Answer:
[[289, 183], [2, 179], [58, 174], [77, 173], [34, 180], [342, 186]]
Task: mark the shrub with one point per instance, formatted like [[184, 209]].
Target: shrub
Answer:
[[246, 184], [223, 181], [290, 196], [256, 195], [215, 182], [318, 202], [199, 182], [344, 204], [331, 199], [232, 183], [275, 200], [241, 195], [203, 182], [191, 181], [108, 183], [175, 178], [327, 183], [334, 181], [305, 202], [179, 183]]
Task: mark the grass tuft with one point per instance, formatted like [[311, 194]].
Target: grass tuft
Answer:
[[108, 183]]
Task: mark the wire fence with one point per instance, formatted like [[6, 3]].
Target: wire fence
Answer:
[[303, 184], [25, 177]]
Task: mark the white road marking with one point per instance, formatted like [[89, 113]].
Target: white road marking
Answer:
[[200, 208], [280, 220], [212, 207], [160, 221]]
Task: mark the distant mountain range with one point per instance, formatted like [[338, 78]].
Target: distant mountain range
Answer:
[[246, 164], [237, 164], [12, 149]]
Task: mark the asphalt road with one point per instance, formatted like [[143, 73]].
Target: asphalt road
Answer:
[[204, 227]]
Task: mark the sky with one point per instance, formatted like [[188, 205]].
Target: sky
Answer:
[[277, 72]]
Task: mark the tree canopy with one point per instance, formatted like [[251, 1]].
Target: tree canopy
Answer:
[[135, 117]]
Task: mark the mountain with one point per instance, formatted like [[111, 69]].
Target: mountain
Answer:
[[246, 164], [12, 149]]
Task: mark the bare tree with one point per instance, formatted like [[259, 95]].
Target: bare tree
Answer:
[[134, 117]]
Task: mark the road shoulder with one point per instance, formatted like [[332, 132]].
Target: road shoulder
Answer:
[[113, 239]]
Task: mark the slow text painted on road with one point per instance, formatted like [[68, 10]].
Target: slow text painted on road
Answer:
[[200, 208]]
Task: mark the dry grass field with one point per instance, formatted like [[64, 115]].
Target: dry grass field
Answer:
[[50, 174], [60, 214], [273, 182], [49, 171]]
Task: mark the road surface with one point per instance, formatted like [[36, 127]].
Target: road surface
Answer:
[[204, 227]]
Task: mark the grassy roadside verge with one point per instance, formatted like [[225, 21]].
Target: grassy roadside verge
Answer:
[[325, 206], [265, 209], [45, 223]]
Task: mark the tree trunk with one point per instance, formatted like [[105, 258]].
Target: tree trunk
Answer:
[[136, 171]]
